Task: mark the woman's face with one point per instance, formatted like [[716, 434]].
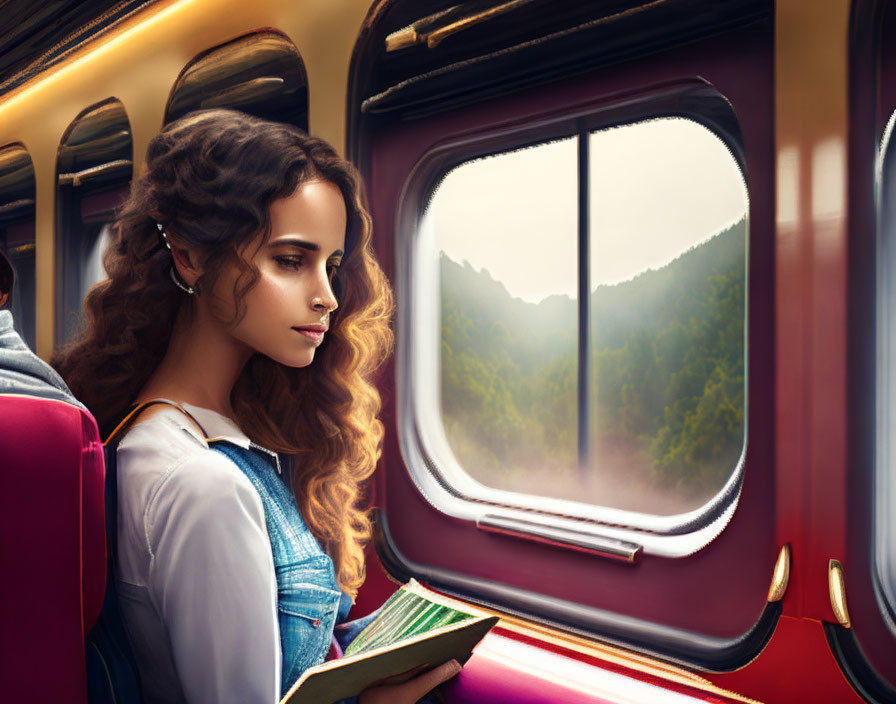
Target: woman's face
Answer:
[[287, 311]]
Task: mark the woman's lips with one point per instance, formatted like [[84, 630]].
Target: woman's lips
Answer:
[[313, 333]]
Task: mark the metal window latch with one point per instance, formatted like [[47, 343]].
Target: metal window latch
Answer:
[[583, 541]]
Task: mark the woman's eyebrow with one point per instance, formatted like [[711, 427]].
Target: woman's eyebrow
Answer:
[[303, 244]]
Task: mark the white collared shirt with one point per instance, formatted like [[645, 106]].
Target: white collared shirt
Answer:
[[195, 574]]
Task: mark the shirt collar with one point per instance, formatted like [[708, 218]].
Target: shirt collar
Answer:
[[216, 426], [222, 428]]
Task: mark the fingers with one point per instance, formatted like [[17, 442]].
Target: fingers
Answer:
[[401, 676], [388, 692], [429, 680]]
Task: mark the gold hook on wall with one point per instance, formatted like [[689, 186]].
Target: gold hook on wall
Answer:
[[837, 589], [781, 575]]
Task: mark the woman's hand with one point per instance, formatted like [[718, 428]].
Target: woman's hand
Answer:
[[401, 690]]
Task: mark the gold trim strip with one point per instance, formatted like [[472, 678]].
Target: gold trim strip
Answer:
[[244, 92], [436, 36], [23, 248], [75, 179], [402, 39], [16, 204], [781, 575], [837, 589], [415, 32]]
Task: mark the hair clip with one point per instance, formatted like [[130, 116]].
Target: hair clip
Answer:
[[162, 234]]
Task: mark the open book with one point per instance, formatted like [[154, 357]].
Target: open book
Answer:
[[415, 627]]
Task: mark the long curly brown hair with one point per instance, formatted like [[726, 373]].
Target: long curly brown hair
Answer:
[[211, 177]]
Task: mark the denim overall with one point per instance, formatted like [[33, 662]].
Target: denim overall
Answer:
[[309, 600]]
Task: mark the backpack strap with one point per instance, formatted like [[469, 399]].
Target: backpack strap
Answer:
[[129, 419], [112, 672]]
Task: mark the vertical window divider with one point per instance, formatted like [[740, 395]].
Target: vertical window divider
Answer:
[[584, 291]]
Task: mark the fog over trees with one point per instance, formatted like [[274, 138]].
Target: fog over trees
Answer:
[[667, 377]]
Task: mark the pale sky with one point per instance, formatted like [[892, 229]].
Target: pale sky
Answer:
[[657, 188]]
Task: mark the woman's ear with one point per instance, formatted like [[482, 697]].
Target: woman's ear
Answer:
[[186, 261]]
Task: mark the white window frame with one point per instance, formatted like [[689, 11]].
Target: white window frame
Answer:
[[884, 519], [435, 471]]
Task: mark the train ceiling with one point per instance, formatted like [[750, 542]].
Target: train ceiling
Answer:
[[422, 56], [37, 34]]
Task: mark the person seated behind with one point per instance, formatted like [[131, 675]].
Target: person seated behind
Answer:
[[21, 371], [7, 279]]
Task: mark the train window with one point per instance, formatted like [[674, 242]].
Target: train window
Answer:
[[261, 74], [885, 474], [507, 302], [94, 169], [657, 425], [668, 316], [599, 478], [863, 637], [17, 190]]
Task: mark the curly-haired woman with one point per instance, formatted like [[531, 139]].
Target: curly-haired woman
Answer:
[[242, 289]]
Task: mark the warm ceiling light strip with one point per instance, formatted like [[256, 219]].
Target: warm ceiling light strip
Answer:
[[95, 51]]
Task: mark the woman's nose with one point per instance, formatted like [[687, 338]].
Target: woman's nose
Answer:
[[325, 299]]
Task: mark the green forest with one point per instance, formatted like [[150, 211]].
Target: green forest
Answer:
[[666, 383]]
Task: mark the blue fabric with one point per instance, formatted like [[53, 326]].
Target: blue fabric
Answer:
[[346, 632], [309, 600]]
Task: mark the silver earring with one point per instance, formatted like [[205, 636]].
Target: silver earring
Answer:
[[174, 277], [180, 284]]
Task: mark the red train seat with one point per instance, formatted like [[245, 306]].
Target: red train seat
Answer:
[[52, 546]]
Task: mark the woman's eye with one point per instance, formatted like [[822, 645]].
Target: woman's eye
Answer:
[[289, 261], [332, 270]]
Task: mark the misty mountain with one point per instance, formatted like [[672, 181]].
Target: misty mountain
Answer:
[[667, 372]]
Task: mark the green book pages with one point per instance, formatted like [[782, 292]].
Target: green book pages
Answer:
[[408, 612], [415, 627]]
